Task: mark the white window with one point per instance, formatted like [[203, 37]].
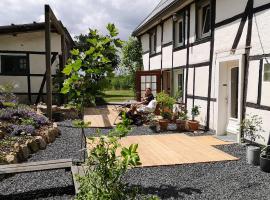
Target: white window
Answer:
[[179, 32], [266, 74], [204, 19], [153, 42]]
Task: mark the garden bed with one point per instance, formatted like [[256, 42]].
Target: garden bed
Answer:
[[23, 132]]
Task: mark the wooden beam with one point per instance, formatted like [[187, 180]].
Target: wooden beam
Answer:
[[187, 61], [35, 166], [48, 60], [56, 24]]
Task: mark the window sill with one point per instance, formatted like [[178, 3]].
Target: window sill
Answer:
[[154, 54], [177, 48], [201, 40]]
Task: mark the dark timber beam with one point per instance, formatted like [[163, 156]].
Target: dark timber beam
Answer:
[[187, 61], [48, 60]]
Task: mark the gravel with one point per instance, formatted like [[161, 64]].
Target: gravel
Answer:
[[219, 180]]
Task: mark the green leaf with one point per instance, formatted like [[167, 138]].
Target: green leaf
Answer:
[[90, 51], [77, 65], [75, 52], [67, 70], [112, 30]]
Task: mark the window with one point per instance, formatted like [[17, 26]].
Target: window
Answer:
[[153, 40], [179, 32], [203, 19], [266, 75], [13, 65]]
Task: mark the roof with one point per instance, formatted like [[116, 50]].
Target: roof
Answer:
[[162, 6], [32, 27]]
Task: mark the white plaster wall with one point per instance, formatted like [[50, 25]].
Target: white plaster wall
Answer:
[[265, 115], [175, 80], [155, 62], [190, 81], [192, 23], [20, 81], [180, 58], [199, 53], [34, 41], [36, 83], [146, 62], [189, 107], [201, 81], [203, 111], [167, 31], [159, 34], [263, 22], [265, 100], [213, 116], [38, 64], [167, 57], [145, 42], [253, 79], [229, 8], [225, 35], [260, 2]]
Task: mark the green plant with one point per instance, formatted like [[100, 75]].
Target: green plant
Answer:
[[250, 126], [179, 94], [195, 112], [165, 100], [106, 164], [28, 121], [6, 93], [166, 115], [183, 115]]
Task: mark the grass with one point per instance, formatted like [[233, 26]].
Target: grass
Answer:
[[118, 95]]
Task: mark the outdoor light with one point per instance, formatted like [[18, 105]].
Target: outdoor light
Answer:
[[174, 16]]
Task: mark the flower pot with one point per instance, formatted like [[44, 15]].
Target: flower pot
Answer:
[[253, 155], [181, 124], [153, 127], [163, 123], [193, 125], [265, 163]]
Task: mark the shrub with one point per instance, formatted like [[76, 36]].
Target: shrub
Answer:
[[6, 94], [195, 112], [17, 130]]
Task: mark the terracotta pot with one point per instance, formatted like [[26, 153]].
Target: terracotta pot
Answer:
[[181, 124], [163, 123], [193, 125]]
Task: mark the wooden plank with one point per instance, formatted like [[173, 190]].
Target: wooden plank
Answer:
[[35, 166], [77, 170]]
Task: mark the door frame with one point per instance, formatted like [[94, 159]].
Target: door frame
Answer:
[[220, 114], [157, 73]]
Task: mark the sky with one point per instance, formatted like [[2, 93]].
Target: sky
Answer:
[[80, 15]]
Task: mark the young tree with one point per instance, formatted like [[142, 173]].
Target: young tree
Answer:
[[131, 58]]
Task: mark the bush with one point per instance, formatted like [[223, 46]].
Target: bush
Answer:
[[17, 130], [121, 83], [6, 94]]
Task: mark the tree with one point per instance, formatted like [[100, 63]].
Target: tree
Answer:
[[132, 57], [90, 65]]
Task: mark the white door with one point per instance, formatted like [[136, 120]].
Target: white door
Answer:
[[232, 98]]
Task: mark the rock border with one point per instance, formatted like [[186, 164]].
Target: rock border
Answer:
[[21, 152]]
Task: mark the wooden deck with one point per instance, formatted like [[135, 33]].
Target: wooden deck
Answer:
[[175, 149], [102, 117]]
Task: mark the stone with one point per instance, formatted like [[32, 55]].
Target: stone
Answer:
[[41, 142], [50, 136], [18, 151], [11, 158], [25, 151], [32, 145]]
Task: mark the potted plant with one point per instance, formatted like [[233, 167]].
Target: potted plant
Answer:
[[265, 159], [250, 127], [181, 122], [165, 104], [194, 124], [152, 122]]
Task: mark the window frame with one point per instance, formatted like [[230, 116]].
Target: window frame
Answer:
[[3, 70], [266, 72], [200, 21], [176, 37], [153, 33]]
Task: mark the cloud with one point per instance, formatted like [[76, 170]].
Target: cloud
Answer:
[[79, 15]]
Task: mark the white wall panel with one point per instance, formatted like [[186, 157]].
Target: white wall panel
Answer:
[[265, 99], [155, 62], [199, 53], [159, 30], [201, 81], [146, 62], [265, 115], [145, 42], [203, 111], [192, 23], [190, 81], [253, 79], [229, 8], [180, 58], [36, 83], [260, 2], [20, 81], [263, 22], [167, 31], [167, 57]]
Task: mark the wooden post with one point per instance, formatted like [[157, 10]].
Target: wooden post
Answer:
[[48, 61]]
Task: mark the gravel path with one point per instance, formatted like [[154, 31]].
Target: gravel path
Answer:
[[220, 180]]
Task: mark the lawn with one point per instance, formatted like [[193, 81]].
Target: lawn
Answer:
[[118, 95]]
